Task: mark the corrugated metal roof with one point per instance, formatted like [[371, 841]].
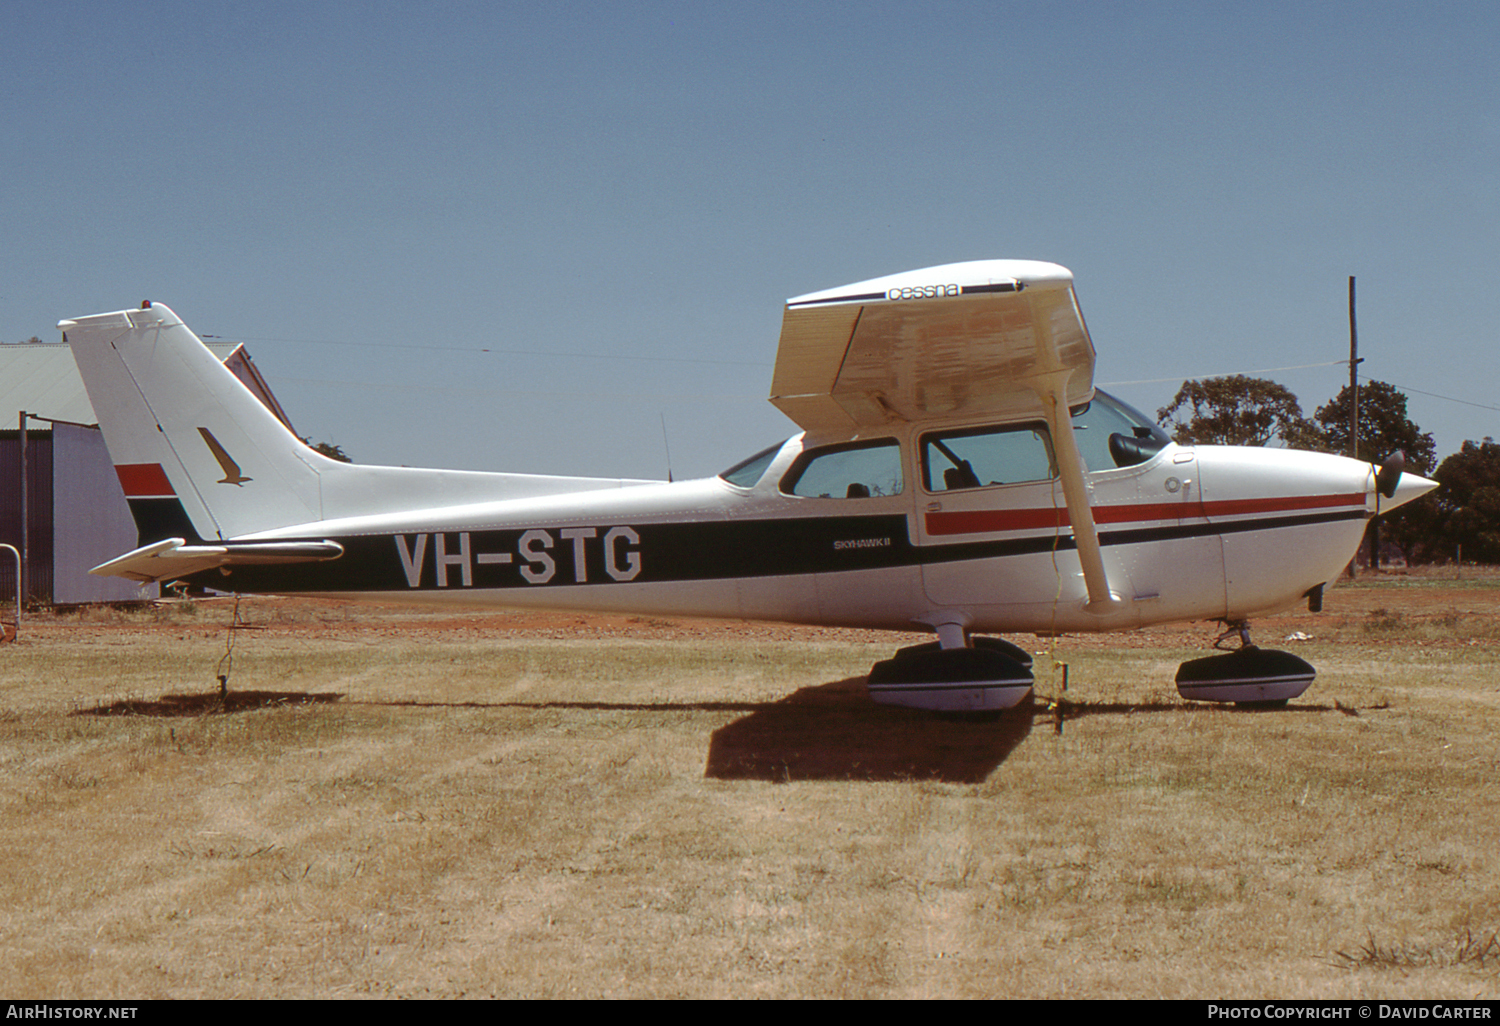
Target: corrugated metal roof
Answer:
[[41, 378]]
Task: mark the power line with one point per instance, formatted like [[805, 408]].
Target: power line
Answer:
[[498, 352], [1195, 377], [749, 363], [1433, 395], [406, 386], [1302, 366]]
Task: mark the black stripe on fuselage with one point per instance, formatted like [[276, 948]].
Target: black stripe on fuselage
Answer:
[[650, 553], [603, 554]]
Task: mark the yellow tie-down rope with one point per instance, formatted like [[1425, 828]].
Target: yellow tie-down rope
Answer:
[[1056, 706]]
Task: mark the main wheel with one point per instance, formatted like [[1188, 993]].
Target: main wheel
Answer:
[[950, 680]]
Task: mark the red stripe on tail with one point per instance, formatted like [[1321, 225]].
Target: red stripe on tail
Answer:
[[144, 481]]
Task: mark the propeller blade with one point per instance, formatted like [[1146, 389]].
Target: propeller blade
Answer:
[[1389, 475]]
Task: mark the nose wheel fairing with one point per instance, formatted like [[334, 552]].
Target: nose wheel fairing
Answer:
[[1247, 675]]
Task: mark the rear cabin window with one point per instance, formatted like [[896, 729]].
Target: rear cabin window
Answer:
[[745, 473], [865, 470], [981, 457]]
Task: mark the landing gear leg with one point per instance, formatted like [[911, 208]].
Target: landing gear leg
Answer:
[[1248, 676], [1234, 629]]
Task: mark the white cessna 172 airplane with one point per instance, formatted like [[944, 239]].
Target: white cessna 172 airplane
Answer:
[[957, 473]]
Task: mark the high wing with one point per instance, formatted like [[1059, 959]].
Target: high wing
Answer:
[[969, 340], [997, 339]]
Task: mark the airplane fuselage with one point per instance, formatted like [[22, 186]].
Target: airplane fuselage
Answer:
[[1208, 532]]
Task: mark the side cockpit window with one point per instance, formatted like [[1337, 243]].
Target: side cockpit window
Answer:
[[981, 457], [863, 470]]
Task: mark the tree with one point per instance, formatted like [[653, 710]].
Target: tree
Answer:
[[1468, 503], [1235, 410], [1415, 529], [333, 452], [1384, 427]]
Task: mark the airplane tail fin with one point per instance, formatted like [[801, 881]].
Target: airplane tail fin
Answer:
[[199, 455], [203, 460]]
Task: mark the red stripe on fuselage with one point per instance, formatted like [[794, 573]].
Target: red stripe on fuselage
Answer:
[[1237, 507], [984, 521], [144, 481]]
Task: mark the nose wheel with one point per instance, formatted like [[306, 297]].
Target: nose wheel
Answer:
[[1246, 675]]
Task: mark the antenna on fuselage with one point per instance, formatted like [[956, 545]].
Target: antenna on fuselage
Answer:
[[665, 445]]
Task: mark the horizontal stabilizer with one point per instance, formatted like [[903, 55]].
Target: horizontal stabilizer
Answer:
[[173, 558]]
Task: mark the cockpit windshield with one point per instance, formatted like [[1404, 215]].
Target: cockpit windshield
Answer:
[[1112, 434]]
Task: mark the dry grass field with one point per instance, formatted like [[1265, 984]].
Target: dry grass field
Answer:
[[397, 803]]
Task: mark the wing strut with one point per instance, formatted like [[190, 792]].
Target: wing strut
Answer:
[[1052, 389]]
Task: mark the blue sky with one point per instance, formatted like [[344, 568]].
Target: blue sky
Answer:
[[520, 236]]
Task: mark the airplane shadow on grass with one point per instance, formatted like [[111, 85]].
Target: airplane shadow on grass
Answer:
[[208, 703], [830, 732], [822, 732], [834, 732]]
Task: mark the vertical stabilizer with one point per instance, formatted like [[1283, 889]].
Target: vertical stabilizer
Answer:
[[197, 453]]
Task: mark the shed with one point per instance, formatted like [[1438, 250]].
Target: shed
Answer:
[[76, 514]]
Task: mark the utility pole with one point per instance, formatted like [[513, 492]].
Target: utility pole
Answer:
[[1354, 362], [25, 521]]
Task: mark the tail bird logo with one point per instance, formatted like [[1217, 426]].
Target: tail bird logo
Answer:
[[231, 469]]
